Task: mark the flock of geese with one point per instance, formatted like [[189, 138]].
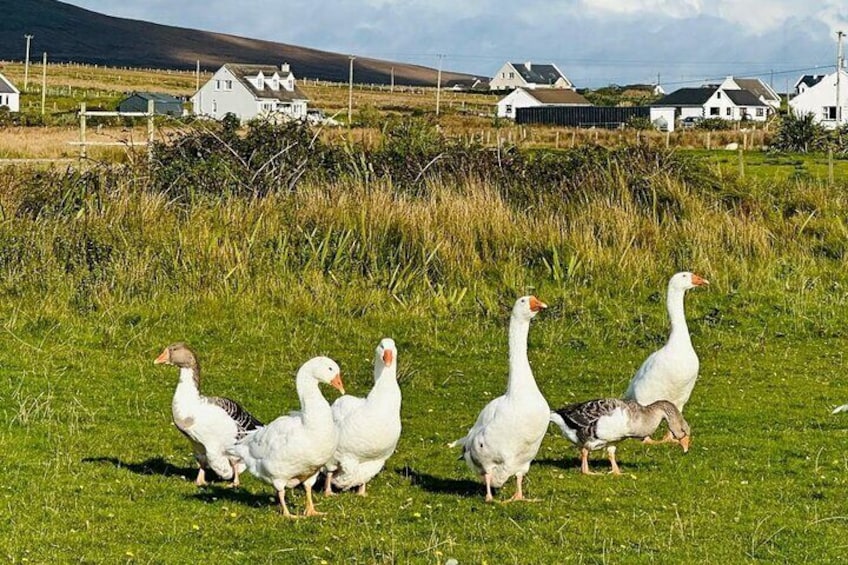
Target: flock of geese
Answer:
[[349, 441]]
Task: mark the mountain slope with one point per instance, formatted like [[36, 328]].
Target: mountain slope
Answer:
[[69, 33]]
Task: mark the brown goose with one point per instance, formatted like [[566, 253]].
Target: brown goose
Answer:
[[211, 423], [599, 423]]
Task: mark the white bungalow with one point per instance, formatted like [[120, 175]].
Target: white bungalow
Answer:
[[251, 91], [10, 97], [820, 101], [523, 98]]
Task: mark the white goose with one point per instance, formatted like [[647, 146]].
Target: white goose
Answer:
[[670, 372], [211, 423], [292, 449], [509, 430], [601, 423], [369, 428]]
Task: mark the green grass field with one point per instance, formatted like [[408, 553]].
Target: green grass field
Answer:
[[103, 268]]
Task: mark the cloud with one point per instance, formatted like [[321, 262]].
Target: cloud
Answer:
[[595, 42]]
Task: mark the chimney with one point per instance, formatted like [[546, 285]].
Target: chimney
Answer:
[[284, 68], [528, 66]]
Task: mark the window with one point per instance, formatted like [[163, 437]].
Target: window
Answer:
[[728, 111], [511, 75], [228, 85], [829, 112], [761, 112], [509, 109], [718, 95], [217, 85], [214, 106], [715, 111]]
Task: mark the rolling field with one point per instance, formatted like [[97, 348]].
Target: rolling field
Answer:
[[102, 266]]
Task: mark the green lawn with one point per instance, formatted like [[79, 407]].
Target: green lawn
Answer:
[[778, 167], [96, 472]]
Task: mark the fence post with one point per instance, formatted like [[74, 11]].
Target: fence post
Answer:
[[741, 164], [557, 139], [708, 141], [150, 112], [83, 154], [830, 166]]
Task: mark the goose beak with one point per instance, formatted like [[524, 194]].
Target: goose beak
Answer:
[[388, 357], [684, 443], [163, 358], [536, 304], [698, 280], [337, 383]]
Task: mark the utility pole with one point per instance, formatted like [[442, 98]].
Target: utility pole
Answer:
[[26, 63], [43, 82], [838, 116], [197, 77], [439, 83], [350, 94], [392, 87]]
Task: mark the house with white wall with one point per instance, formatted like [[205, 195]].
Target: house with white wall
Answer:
[[765, 93], [820, 101], [732, 103], [251, 91], [530, 76], [10, 96], [528, 98], [807, 81]]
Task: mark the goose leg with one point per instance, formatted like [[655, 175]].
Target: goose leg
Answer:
[[234, 465], [328, 484], [611, 453], [488, 478], [310, 507], [281, 495], [201, 477], [584, 462], [361, 490]]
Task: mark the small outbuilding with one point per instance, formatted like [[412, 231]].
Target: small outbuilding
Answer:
[[10, 97], [163, 104]]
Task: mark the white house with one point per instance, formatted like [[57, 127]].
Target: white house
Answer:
[[732, 103], [10, 96], [525, 98], [807, 81], [251, 91], [820, 101], [755, 86], [529, 75]]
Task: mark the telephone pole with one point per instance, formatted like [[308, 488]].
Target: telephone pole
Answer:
[[350, 94], [439, 83], [26, 62], [838, 116], [43, 82]]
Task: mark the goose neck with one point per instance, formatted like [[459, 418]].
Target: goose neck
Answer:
[[520, 374], [189, 383], [312, 403], [677, 315]]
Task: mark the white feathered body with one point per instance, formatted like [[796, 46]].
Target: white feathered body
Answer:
[[369, 429], [507, 435], [211, 430], [293, 448], [669, 374]]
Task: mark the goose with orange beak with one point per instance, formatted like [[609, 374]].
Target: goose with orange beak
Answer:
[[292, 449], [670, 372], [509, 430], [369, 428]]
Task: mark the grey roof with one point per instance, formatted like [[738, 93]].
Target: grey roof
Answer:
[[757, 87], [7, 87], [241, 72], [156, 96], [743, 98], [686, 97], [809, 80], [538, 74]]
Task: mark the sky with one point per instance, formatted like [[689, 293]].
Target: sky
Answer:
[[594, 42]]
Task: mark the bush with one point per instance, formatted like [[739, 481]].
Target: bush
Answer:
[[714, 124], [800, 134]]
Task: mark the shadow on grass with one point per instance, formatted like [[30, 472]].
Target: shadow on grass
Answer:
[[216, 493], [441, 485], [152, 466]]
